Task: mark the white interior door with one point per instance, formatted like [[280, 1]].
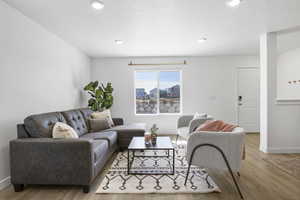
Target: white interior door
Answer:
[[248, 99]]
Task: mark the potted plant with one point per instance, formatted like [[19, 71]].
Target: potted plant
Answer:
[[153, 131], [101, 95]]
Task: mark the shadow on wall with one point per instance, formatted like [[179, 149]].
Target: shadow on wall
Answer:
[[80, 97]]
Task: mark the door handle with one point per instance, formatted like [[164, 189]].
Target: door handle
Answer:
[[240, 98]]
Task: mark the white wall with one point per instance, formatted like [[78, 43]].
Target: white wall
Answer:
[[285, 136], [39, 72], [288, 70], [209, 85], [268, 63], [279, 120]]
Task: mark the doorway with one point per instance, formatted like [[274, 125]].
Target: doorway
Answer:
[[248, 99]]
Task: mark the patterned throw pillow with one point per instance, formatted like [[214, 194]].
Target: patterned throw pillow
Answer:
[[103, 115], [199, 116], [62, 130]]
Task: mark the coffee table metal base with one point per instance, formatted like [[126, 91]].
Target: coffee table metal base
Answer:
[[130, 160]]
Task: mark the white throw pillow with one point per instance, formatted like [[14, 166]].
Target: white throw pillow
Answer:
[[62, 130], [199, 116], [103, 115]]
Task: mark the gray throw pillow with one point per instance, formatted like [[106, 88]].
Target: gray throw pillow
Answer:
[[98, 124]]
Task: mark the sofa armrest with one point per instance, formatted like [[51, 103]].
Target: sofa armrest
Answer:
[[118, 121], [231, 143], [51, 161], [21, 131]]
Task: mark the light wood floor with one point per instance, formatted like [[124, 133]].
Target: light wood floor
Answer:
[[260, 180]]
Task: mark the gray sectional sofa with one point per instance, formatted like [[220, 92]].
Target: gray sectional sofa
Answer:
[[37, 158]]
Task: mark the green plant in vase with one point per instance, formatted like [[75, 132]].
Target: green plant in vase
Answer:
[[101, 95], [153, 131]]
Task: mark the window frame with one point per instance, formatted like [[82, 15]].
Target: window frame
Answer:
[[158, 91]]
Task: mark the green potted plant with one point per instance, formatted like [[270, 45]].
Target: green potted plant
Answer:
[[101, 95]]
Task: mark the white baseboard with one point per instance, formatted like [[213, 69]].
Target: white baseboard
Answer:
[[283, 150], [4, 183], [263, 149]]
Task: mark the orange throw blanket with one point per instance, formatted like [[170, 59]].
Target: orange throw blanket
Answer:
[[216, 126], [219, 126]]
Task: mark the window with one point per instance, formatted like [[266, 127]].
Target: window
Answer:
[[157, 92]]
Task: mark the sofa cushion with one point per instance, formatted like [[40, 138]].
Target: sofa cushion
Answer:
[[100, 149], [97, 125], [134, 129], [110, 136], [40, 125], [86, 113], [75, 119], [126, 132]]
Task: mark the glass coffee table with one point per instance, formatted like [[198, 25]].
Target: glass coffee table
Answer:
[[163, 144]]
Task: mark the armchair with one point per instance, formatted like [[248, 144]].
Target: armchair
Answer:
[[216, 150], [186, 125]]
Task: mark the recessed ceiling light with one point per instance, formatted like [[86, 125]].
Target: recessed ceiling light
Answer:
[[119, 41], [201, 40], [96, 4], [233, 3]]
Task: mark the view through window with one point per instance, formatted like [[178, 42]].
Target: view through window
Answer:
[[157, 92]]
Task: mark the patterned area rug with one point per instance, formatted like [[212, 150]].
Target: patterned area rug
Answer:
[[117, 180]]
